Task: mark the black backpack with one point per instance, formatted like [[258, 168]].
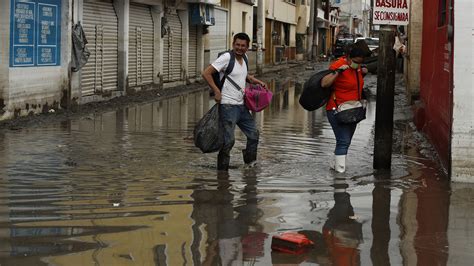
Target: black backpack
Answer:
[[216, 76], [314, 95]]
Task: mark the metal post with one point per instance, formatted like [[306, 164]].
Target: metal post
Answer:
[[385, 99], [260, 23]]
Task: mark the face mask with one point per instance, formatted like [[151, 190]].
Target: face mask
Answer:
[[354, 65]]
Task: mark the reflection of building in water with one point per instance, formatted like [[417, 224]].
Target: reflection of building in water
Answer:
[[174, 113], [5, 247], [163, 238], [179, 112], [461, 221], [423, 218]]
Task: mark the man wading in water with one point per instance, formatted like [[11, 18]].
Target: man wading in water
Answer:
[[232, 110]]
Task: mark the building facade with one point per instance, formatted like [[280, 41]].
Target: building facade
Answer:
[[280, 31], [133, 44]]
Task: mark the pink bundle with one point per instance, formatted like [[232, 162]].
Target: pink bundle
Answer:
[[257, 97]]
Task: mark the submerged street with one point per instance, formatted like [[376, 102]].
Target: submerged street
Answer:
[[128, 187]]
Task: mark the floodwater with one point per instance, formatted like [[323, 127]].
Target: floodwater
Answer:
[[128, 187]]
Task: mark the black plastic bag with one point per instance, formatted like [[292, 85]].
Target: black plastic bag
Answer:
[[80, 53], [208, 133], [314, 95]]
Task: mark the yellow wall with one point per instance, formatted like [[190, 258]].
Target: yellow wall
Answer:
[[281, 11], [292, 35], [237, 10], [302, 11]]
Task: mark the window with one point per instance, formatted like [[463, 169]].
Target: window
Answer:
[[442, 13], [286, 28]]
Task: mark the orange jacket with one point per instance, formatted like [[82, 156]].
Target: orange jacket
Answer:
[[345, 85]]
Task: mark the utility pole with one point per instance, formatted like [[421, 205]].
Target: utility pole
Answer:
[[260, 23], [371, 21], [309, 43], [385, 99], [314, 52]]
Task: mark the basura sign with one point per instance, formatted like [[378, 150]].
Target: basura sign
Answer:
[[391, 12]]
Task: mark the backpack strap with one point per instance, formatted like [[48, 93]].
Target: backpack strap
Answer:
[[231, 64], [230, 67], [246, 59]]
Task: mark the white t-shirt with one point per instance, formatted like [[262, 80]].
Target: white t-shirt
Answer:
[[230, 94]]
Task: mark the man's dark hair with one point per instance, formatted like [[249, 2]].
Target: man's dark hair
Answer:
[[357, 52], [242, 36]]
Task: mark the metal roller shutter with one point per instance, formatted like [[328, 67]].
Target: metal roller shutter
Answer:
[[100, 24], [173, 49], [218, 34], [192, 63], [141, 40]]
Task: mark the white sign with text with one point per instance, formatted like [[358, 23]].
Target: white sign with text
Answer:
[[391, 12]]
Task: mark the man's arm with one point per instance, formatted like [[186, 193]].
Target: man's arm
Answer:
[[254, 80], [207, 75]]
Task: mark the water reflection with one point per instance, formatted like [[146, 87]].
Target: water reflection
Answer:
[[380, 224], [129, 187], [232, 234], [342, 231]]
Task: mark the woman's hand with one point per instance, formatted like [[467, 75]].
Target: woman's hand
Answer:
[[342, 68]]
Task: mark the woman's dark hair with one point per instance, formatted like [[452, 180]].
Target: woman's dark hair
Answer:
[[242, 36], [357, 52]]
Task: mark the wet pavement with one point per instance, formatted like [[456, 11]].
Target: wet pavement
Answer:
[[128, 187]]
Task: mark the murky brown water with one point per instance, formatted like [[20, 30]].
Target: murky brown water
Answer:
[[129, 188]]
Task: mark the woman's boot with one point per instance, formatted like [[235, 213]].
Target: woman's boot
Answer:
[[340, 163]]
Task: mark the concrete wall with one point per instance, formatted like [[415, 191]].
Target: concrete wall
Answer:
[[45, 86], [4, 52], [413, 58], [462, 144]]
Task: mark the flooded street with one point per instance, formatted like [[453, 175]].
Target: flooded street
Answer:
[[128, 187]]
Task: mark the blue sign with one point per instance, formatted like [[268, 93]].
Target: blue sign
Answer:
[[35, 38]]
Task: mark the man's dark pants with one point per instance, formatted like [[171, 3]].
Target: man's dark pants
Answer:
[[239, 115]]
